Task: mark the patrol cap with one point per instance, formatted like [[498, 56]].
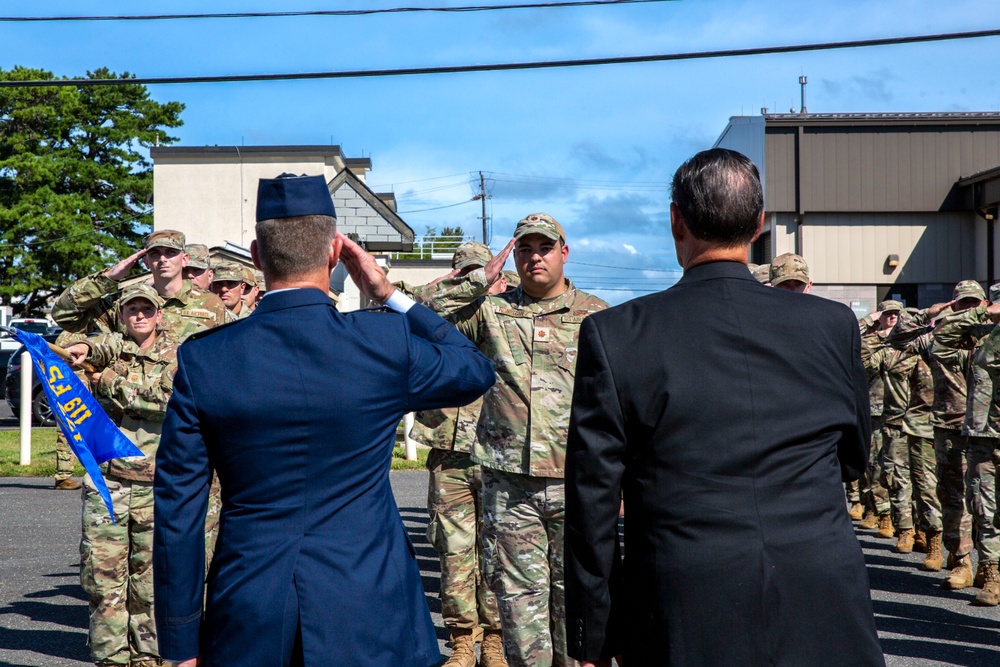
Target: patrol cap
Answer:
[[140, 291], [540, 223], [513, 280], [198, 255], [789, 267], [752, 266], [890, 306], [258, 277], [291, 196], [471, 254], [762, 273], [968, 289], [248, 277], [995, 293], [228, 273], [165, 238]]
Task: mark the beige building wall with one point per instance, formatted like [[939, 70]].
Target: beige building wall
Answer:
[[854, 248], [215, 200]]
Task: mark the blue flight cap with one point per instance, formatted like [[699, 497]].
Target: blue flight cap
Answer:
[[289, 196]]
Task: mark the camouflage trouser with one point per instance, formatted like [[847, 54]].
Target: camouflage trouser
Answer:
[[853, 492], [981, 496], [923, 473], [874, 496], [116, 571], [896, 469], [523, 521], [212, 520], [64, 458], [453, 505], [949, 448]]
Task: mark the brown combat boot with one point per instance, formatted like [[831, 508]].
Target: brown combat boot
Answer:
[[68, 485], [952, 561], [857, 511], [463, 649], [990, 595], [904, 545], [961, 575], [934, 559], [920, 541], [870, 520], [980, 577], [885, 529], [491, 652]]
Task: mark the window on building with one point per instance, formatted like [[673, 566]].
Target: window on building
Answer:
[[760, 251]]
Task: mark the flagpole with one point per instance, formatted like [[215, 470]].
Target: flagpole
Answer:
[[26, 376]]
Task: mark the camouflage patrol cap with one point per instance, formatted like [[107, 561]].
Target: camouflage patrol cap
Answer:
[[198, 255], [513, 280], [968, 289], [762, 273], [994, 293], [248, 277], [165, 238], [140, 291], [890, 306], [471, 254], [540, 223], [789, 267], [258, 277], [228, 273]]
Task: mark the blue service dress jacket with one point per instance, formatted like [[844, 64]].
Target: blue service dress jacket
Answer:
[[296, 409]]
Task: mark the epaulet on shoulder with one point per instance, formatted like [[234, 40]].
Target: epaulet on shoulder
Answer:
[[207, 332]]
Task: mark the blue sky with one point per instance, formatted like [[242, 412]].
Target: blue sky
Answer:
[[594, 147]]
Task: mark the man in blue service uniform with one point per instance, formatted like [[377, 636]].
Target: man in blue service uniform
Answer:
[[312, 565]]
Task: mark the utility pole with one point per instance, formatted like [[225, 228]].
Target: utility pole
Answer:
[[482, 200]]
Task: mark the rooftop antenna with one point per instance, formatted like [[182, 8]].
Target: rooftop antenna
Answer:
[[802, 83]]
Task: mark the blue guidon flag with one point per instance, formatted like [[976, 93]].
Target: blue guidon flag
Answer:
[[93, 436]]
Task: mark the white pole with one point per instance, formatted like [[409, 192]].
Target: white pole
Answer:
[[411, 444], [26, 377]]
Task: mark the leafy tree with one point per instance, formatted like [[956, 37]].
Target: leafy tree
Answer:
[[75, 190]]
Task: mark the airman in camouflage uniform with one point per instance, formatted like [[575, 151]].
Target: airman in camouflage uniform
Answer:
[[454, 507], [790, 272], [531, 335], [229, 285], [948, 366], [198, 270], [116, 558], [874, 495], [762, 274], [90, 304], [252, 293], [894, 366], [923, 464], [982, 428]]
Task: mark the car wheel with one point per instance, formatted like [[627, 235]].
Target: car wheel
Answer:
[[41, 413]]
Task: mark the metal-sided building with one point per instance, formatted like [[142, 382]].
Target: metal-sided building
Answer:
[[880, 205]]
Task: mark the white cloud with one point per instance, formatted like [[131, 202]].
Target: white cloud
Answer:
[[631, 249]]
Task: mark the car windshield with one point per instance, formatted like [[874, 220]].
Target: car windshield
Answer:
[[38, 327]]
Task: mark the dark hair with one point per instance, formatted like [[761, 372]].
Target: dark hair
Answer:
[[289, 247], [719, 195]]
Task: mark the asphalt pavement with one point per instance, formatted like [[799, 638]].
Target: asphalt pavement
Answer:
[[43, 611]]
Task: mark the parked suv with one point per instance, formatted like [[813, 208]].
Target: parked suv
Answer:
[[41, 413]]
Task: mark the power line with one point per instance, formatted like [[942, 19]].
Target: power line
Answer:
[[330, 12], [436, 208], [500, 67], [625, 268]]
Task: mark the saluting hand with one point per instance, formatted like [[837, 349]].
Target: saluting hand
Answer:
[[121, 269], [365, 271], [939, 308], [494, 267]]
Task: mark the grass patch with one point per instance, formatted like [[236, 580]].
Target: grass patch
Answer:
[[399, 461], [43, 454]]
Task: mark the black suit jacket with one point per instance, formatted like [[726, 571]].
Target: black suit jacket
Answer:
[[726, 413]]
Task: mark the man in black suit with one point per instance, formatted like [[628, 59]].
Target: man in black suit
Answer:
[[726, 414]]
